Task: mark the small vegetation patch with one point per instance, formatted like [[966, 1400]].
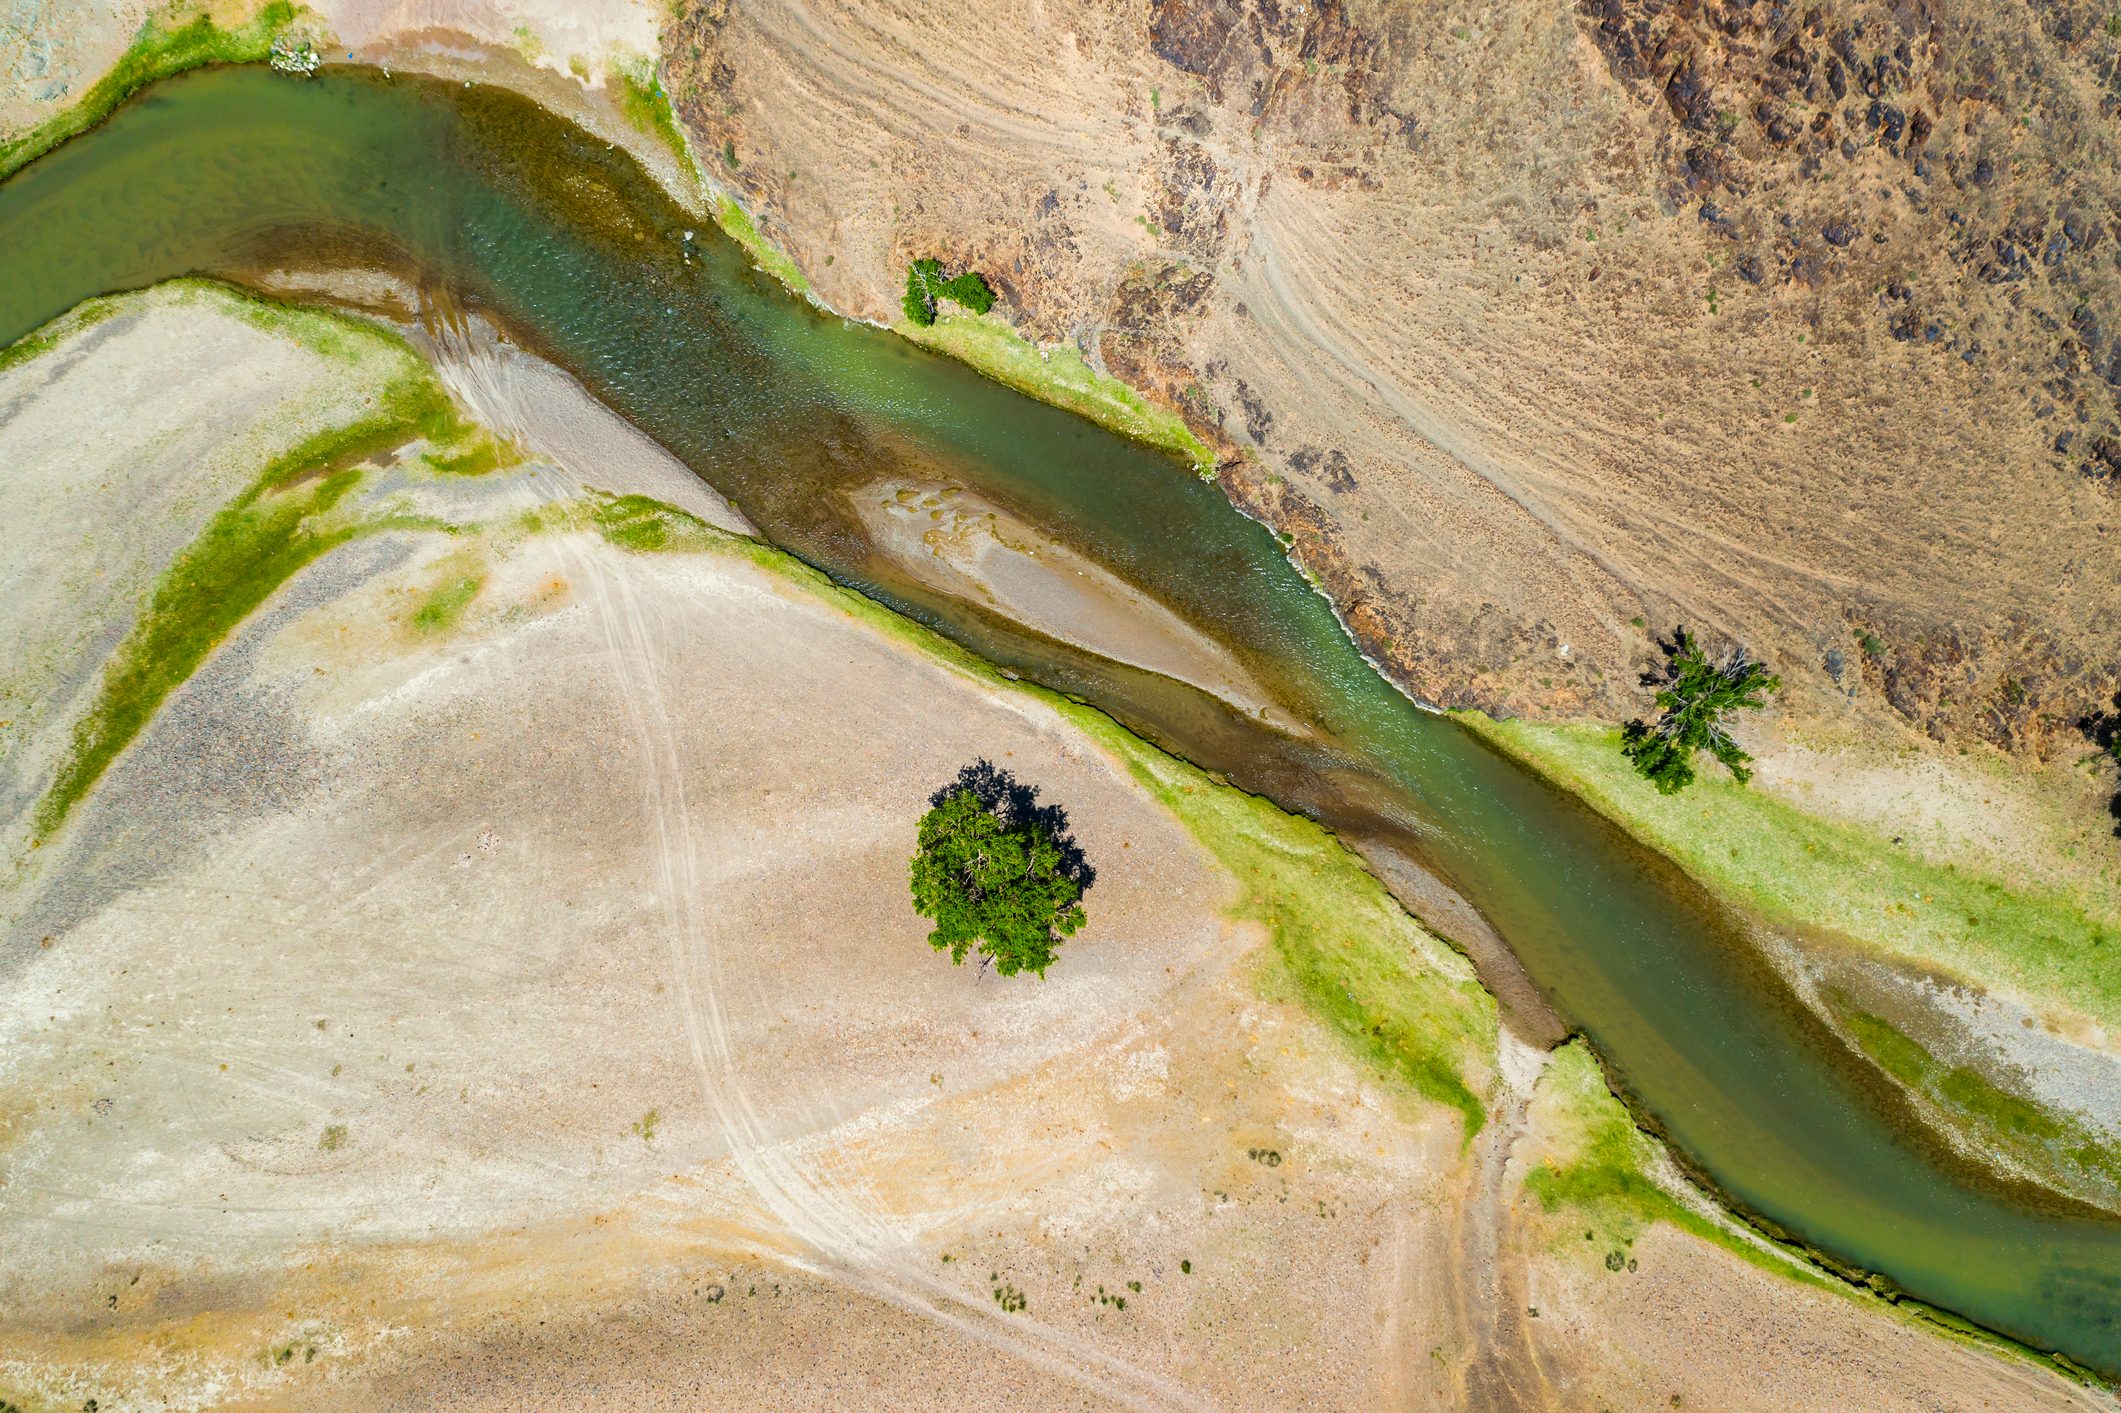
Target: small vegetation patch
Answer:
[[478, 454], [440, 610], [998, 873], [333, 1138], [1694, 695], [1010, 1299], [645, 525], [926, 284], [647, 106]]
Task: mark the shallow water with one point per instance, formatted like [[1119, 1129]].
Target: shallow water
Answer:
[[498, 206]]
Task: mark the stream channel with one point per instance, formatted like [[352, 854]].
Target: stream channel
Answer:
[[500, 207]]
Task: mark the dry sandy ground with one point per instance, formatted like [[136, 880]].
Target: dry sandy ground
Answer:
[[73, 578], [963, 545], [529, 1014], [1430, 274], [52, 52]]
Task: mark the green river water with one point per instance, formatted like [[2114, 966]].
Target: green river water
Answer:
[[498, 206]]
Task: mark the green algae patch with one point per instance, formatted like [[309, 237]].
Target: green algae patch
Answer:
[[1342, 947], [1806, 873], [162, 48], [647, 107], [439, 611], [469, 451], [634, 523], [82, 317], [1059, 376]]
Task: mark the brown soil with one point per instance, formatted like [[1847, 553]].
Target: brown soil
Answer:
[[1788, 324]]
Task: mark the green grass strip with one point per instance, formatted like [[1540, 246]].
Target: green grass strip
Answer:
[[2063, 1149], [736, 223], [1605, 1178], [1345, 949], [1603, 1184], [1804, 872], [1059, 376], [157, 53], [256, 543]]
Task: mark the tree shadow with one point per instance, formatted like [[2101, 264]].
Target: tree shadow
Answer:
[[2102, 727], [1014, 803]]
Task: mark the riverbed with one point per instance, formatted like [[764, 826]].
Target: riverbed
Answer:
[[496, 207]]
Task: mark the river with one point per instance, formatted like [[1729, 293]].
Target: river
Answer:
[[500, 207]]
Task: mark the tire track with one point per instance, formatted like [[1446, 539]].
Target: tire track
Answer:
[[845, 1229]]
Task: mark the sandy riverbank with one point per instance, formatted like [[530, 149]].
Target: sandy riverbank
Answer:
[[489, 980]]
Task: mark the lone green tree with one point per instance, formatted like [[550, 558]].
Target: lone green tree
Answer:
[[998, 873], [925, 284], [1694, 696]]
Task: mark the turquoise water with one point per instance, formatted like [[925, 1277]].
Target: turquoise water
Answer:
[[498, 206]]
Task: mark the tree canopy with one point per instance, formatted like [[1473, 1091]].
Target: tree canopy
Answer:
[[998, 873], [1694, 695], [926, 283]]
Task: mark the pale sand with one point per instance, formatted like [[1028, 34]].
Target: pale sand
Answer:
[[961, 544]]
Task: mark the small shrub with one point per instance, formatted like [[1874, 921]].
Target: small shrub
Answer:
[[334, 1138], [1694, 696], [971, 290]]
